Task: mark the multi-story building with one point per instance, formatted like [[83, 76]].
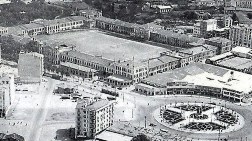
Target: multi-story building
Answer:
[[197, 53], [172, 38], [196, 30], [241, 35], [129, 70], [7, 93], [207, 25], [52, 52], [126, 28], [227, 21], [51, 26], [68, 23], [223, 44], [30, 67], [161, 64], [93, 117]]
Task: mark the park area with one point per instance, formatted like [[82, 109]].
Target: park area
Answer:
[[99, 43]]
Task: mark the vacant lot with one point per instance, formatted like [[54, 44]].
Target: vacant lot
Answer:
[[98, 43]]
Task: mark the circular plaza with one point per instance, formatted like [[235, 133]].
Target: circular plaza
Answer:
[[199, 118]]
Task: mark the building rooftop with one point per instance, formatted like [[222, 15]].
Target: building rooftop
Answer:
[[89, 58], [163, 7], [219, 40], [97, 104], [179, 36], [206, 75], [240, 49], [164, 59], [89, 11], [221, 56], [119, 78], [15, 30], [199, 49], [33, 54], [31, 26]]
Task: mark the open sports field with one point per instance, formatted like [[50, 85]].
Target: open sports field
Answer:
[[98, 43]]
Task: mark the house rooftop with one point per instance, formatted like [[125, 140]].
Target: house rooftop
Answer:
[[219, 39]]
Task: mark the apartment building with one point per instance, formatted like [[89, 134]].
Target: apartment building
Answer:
[[30, 67], [7, 93], [240, 35], [93, 117]]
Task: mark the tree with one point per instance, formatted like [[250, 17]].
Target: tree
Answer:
[[140, 137]]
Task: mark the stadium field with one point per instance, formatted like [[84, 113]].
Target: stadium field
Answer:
[[98, 43]]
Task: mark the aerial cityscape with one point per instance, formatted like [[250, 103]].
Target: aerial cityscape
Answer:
[[125, 70]]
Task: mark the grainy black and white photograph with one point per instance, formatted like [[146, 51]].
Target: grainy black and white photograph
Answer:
[[125, 70]]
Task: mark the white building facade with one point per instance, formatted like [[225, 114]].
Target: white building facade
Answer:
[[92, 117]]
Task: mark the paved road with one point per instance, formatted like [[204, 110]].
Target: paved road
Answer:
[[41, 110], [147, 104]]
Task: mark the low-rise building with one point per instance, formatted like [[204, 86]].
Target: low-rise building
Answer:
[[42, 26], [30, 67], [162, 8], [238, 59], [199, 79], [90, 14], [93, 117], [223, 44]]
